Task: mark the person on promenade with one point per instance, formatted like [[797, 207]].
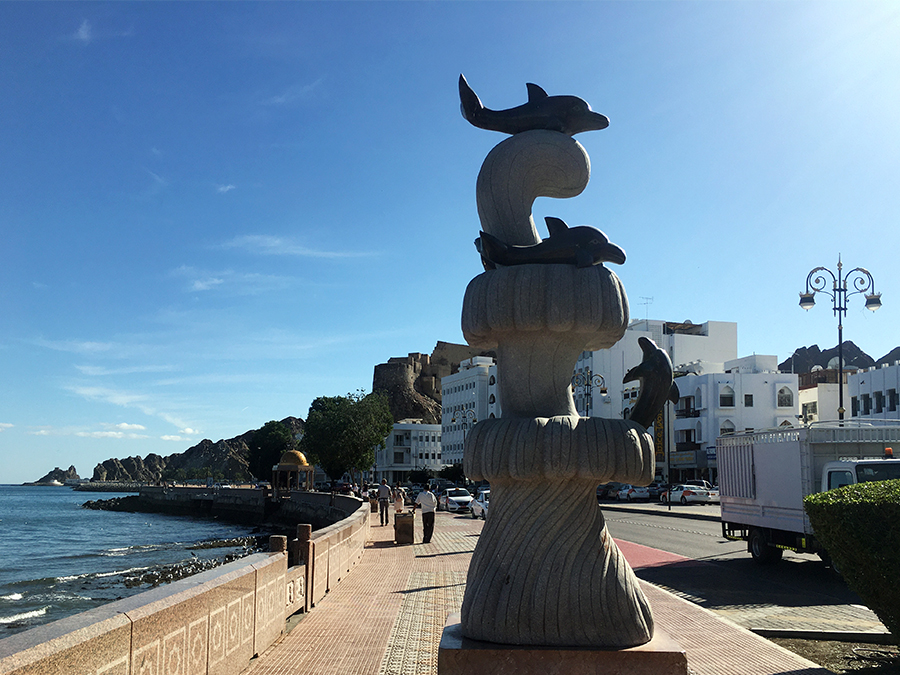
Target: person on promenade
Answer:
[[384, 499], [428, 503], [399, 498]]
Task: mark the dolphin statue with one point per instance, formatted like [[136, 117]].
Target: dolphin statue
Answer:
[[657, 383], [581, 246], [567, 114]]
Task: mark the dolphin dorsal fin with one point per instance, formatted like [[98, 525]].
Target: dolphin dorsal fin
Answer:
[[535, 93], [555, 225]]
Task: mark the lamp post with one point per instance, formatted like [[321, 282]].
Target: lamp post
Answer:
[[860, 282], [588, 380], [469, 415]]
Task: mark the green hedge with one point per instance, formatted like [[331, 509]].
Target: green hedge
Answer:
[[859, 526]]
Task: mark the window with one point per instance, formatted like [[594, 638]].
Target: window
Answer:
[[420, 456], [748, 400], [492, 381], [726, 397], [492, 400], [398, 458], [785, 398], [879, 401], [726, 428], [892, 399], [398, 439], [838, 479], [854, 406], [866, 404]]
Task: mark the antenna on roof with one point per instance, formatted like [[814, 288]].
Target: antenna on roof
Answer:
[[646, 302]]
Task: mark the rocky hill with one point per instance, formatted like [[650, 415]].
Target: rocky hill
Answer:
[[227, 457], [413, 382], [805, 358], [57, 476]]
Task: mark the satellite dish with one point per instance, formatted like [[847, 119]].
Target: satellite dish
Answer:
[[835, 363], [816, 369]]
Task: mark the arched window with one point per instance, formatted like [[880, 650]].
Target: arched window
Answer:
[[726, 428], [698, 435], [726, 397], [492, 381], [698, 398], [785, 398], [492, 399]]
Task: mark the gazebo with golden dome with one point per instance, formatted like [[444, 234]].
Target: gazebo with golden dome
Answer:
[[286, 475]]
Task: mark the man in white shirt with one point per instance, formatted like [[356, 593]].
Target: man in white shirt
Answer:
[[428, 502]]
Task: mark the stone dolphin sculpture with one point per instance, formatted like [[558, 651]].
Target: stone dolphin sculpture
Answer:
[[581, 246], [567, 114], [657, 385]]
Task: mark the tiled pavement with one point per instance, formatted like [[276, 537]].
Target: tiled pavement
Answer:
[[387, 616]]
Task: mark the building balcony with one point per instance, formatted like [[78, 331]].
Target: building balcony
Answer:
[[688, 412]]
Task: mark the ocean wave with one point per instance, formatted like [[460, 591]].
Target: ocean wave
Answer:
[[12, 597], [99, 575], [24, 616]]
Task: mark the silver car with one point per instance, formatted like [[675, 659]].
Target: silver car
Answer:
[[478, 507], [454, 499]]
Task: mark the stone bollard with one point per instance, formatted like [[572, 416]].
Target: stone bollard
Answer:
[[277, 543]]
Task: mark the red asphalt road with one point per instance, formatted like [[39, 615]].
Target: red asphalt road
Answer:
[[643, 556]]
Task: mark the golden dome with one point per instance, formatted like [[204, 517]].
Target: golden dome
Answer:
[[293, 457]]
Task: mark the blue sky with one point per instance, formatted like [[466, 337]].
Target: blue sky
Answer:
[[212, 213]]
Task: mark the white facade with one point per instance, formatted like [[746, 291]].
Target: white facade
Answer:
[[713, 342], [874, 393], [750, 395], [467, 396], [411, 445]]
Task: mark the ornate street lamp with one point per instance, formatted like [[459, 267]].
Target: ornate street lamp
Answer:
[[861, 282], [469, 415], [587, 380]]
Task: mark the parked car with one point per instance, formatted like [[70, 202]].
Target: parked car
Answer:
[[714, 494], [454, 499], [632, 492], [656, 489], [611, 490], [687, 494], [478, 507]]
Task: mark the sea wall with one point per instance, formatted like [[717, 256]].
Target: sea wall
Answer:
[[211, 623]]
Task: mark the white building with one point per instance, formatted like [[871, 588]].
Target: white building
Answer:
[[747, 394], [713, 341], [411, 445], [467, 396], [820, 395], [873, 393]]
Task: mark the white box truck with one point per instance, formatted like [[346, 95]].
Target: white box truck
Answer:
[[764, 476]]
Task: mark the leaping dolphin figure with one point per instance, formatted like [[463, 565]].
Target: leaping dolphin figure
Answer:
[[581, 246], [567, 114], [657, 384]]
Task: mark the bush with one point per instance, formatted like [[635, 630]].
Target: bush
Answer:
[[859, 526]]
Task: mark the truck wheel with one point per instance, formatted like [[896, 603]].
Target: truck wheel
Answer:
[[760, 550]]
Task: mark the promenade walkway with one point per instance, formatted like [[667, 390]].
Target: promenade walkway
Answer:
[[387, 616]]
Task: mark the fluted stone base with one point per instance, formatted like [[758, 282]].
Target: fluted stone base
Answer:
[[545, 570]]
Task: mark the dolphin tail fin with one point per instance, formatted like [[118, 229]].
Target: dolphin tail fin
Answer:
[[492, 249], [469, 103]]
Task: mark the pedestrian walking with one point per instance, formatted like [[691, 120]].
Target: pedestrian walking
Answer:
[[384, 499], [428, 503], [399, 498]]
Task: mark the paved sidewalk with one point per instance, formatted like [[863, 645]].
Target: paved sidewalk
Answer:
[[387, 616]]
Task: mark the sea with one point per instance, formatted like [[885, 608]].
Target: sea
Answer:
[[58, 559]]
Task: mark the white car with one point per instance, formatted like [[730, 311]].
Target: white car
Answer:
[[688, 494], [478, 507], [454, 499], [632, 492]]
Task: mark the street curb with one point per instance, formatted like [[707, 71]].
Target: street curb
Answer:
[[665, 512], [837, 636]]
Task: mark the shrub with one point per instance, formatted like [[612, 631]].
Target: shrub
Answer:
[[859, 526]]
